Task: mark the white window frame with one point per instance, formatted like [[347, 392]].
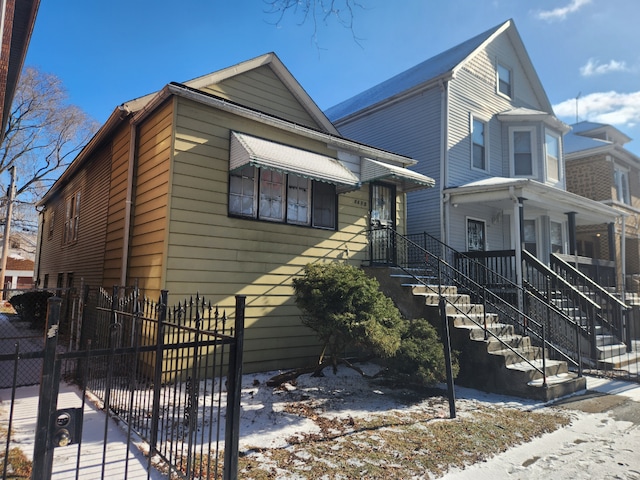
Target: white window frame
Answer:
[[485, 136], [562, 236], [621, 184], [484, 233], [500, 65], [298, 200], [249, 193], [274, 196], [536, 233], [556, 137], [321, 200], [512, 158]]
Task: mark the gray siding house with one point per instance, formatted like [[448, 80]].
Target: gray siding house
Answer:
[[479, 122]]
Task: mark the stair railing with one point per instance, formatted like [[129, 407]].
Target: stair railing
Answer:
[[419, 251], [544, 283], [613, 313], [498, 293]]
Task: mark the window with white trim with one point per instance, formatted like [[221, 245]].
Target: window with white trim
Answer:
[[298, 200], [271, 195], [242, 192], [71, 218], [555, 234], [621, 185], [478, 144], [521, 142], [279, 197], [530, 236], [505, 86], [552, 153]]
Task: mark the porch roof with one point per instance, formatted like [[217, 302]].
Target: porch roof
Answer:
[[500, 193], [407, 180], [261, 153]]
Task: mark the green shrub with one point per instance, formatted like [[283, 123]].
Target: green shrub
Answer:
[[347, 310], [420, 358], [32, 306]]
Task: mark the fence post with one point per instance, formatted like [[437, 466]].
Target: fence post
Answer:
[[157, 381], [446, 340], [48, 400], [234, 392]]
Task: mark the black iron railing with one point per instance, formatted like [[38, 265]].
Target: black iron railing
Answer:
[[435, 264], [613, 314]]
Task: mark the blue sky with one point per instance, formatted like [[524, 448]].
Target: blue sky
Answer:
[[109, 52]]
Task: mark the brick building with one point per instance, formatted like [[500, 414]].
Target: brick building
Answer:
[[600, 168]]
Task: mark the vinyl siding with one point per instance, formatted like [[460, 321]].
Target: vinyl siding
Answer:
[[473, 92], [220, 256], [149, 221], [263, 90], [410, 127], [84, 258]]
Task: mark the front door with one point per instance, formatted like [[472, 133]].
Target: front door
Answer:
[[475, 235], [382, 223]]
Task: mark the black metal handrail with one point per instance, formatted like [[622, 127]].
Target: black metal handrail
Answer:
[[613, 311], [485, 286]]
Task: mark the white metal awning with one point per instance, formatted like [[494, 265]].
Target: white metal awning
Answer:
[[408, 180], [261, 153]]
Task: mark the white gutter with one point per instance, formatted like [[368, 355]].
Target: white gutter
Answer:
[[221, 104]]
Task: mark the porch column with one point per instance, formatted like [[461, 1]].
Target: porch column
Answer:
[[611, 238], [518, 233], [571, 221]]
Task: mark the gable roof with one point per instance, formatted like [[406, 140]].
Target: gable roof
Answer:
[[441, 67], [134, 111]]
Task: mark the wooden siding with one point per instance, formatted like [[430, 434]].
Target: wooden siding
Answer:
[[117, 204], [411, 127], [263, 90], [220, 256], [83, 258], [151, 197]]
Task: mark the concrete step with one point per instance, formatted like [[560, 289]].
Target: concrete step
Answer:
[[513, 357], [454, 299], [419, 289], [472, 320], [501, 330]]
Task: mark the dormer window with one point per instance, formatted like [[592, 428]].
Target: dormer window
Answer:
[[504, 81]]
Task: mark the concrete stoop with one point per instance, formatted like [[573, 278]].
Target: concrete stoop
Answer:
[[487, 364]]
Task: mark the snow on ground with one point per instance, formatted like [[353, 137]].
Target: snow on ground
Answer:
[[602, 441]]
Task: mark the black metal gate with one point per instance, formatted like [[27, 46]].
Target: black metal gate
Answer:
[[153, 392]]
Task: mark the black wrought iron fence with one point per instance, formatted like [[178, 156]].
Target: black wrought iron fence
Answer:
[[170, 375]]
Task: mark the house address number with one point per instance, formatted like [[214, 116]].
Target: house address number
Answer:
[[362, 203]]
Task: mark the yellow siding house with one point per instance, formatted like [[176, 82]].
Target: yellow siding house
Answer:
[[223, 185]]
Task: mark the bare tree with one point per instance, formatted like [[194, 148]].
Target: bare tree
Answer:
[[316, 12], [43, 135]]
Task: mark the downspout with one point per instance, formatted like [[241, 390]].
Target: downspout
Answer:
[[444, 142], [133, 134], [41, 227]]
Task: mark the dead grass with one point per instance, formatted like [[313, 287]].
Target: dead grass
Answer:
[[396, 445], [19, 466]]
